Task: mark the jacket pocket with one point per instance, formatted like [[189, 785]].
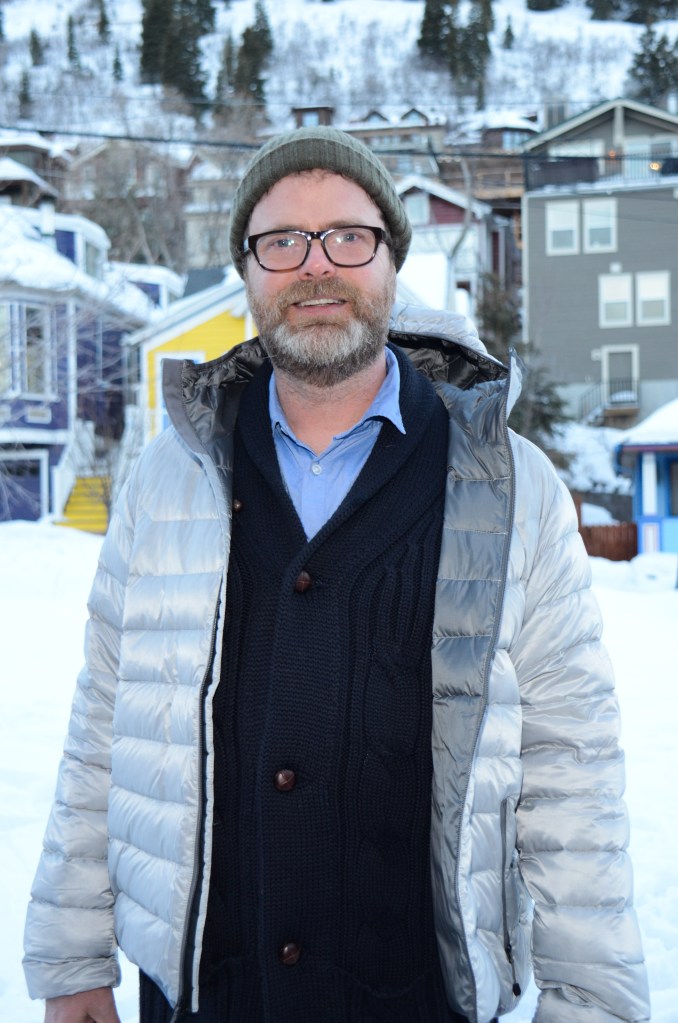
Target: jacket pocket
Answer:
[[515, 917]]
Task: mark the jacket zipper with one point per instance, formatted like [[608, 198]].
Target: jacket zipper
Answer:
[[488, 663], [185, 991]]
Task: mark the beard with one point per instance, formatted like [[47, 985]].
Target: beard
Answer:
[[323, 353]]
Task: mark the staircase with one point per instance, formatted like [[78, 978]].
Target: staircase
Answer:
[[87, 505]]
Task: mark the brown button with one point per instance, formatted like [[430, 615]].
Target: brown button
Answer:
[[303, 582], [289, 953], [237, 504], [285, 780]]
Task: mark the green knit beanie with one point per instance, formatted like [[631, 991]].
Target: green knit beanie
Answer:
[[327, 149]]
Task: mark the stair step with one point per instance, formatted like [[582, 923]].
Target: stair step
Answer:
[[86, 507]]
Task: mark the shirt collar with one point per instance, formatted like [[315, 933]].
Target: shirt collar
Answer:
[[385, 405]]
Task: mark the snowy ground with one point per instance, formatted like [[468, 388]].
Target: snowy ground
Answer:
[[45, 573]]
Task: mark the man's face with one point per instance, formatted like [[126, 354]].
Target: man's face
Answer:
[[320, 323]]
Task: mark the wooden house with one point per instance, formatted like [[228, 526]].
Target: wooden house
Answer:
[[64, 311], [199, 327]]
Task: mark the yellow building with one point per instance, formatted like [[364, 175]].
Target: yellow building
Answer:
[[200, 327]]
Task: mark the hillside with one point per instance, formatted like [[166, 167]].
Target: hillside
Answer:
[[352, 54]]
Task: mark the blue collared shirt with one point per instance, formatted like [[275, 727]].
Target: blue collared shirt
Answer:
[[317, 484]]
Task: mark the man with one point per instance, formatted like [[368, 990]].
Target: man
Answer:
[[343, 666]]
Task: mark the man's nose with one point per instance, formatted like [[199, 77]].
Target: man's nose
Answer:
[[316, 263]]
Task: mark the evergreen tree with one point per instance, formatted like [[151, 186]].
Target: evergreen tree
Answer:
[[603, 10], [226, 77], [255, 48], [455, 42], [508, 38], [154, 23], [25, 98], [2, 25], [103, 24], [540, 409], [73, 55], [262, 30], [204, 12], [544, 5], [476, 50], [433, 41], [654, 68], [117, 66], [248, 80], [181, 55], [36, 48], [649, 11]]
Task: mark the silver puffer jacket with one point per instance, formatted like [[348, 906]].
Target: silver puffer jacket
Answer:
[[528, 829]]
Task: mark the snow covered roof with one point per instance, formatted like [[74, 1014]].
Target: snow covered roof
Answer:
[[659, 429], [671, 120], [28, 262], [402, 116], [451, 195], [12, 170], [195, 308], [471, 128]]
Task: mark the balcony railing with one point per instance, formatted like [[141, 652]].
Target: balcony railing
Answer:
[[542, 171], [618, 396]]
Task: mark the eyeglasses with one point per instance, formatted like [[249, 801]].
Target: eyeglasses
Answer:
[[279, 251]]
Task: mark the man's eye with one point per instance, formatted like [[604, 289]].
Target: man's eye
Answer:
[[277, 242]]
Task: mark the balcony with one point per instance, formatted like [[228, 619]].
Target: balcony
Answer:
[[545, 171], [611, 403]]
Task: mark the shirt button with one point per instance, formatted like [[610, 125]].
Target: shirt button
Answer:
[[285, 780], [289, 953], [316, 469], [237, 504], [303, 582]]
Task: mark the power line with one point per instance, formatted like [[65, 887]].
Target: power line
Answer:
[[111, 136]]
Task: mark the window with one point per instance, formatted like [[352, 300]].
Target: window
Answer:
[[417, 207], [614, 300], [5, 350], [310, 118], [652, 298], [562, 228], [27, 350], [620, 373], [38, 353], [673, 488], [93, 261], [600, 225]]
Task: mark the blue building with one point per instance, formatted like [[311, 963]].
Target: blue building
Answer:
[[649, 454], [64, 376]]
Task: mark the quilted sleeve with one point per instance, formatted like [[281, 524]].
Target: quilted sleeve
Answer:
[[572, 821], [69, 940]]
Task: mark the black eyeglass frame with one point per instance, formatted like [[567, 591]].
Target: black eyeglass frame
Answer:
[[380, 235]]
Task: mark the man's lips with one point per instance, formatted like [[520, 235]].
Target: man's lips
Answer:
[[319, 301]]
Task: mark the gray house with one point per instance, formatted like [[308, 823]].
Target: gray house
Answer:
[[600, 259]]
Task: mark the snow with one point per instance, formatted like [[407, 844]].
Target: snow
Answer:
[[594, 515], [592, 452], [353, 54], [28, 262], [46, 572], [660, 427]]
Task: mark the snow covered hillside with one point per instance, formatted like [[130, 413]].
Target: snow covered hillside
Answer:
[[353, 54]]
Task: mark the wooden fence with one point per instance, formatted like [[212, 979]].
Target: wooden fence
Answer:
[[617, 542]]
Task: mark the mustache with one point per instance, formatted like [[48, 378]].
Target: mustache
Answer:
[[302, 291]]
